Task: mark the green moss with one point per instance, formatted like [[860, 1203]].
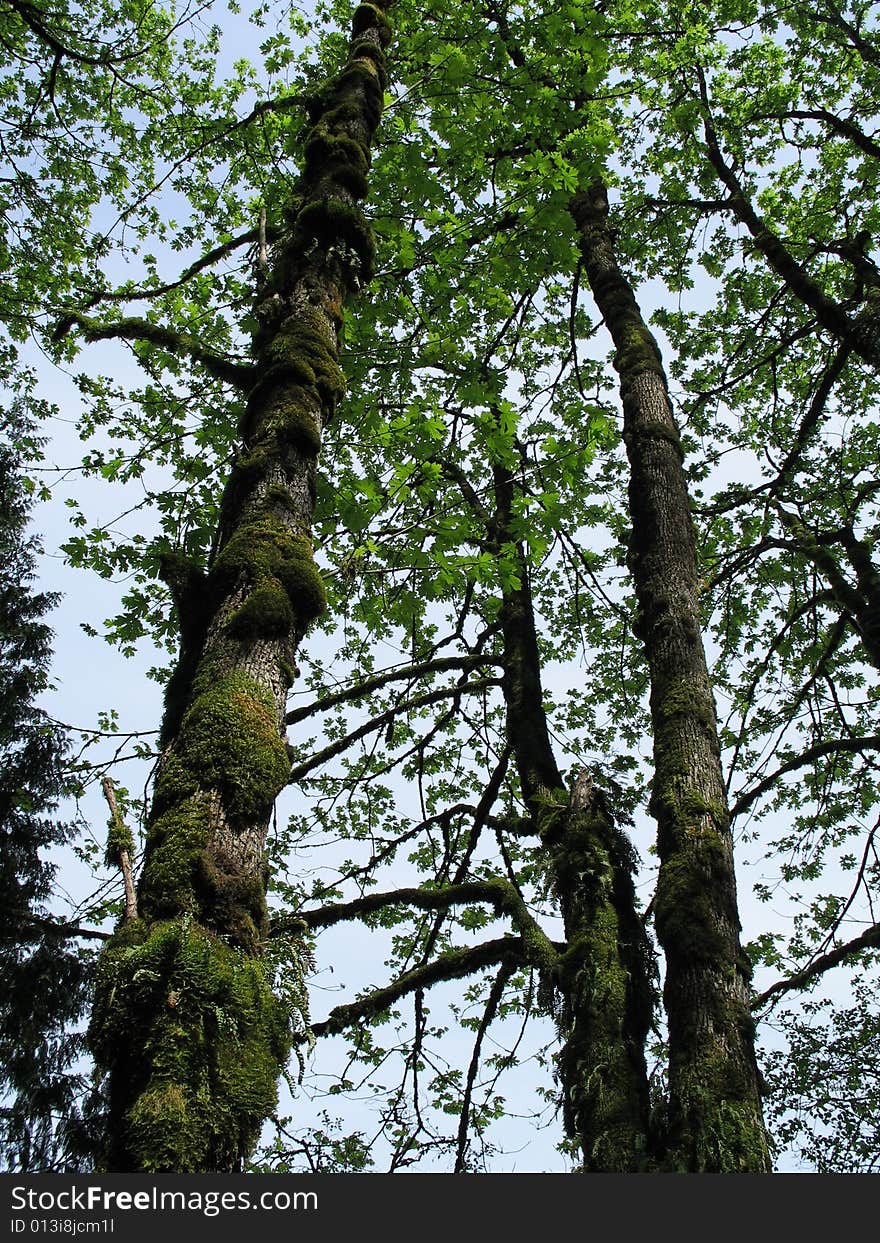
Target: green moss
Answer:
[[214, 1039], [246, 478], [351, 179], [326, 147], [278, 497], [581, 858], [338, 113], [362, 79], [332, 222], [175, 842], [370, 17], [231, 903], [302, 355], [194, 605], [249, 469], [551, 817], [265, 614], [694, 804], [301, 348], [604, 986], [656, 431], [263, 549], [637, 353], [685, 906], [184, 875], [686, 697], [684, 811], [281, 362], [365, 50], [603, 1079], [119, 838], [283, 414], [539, 950], [299, 427], [166, 1132], [182, 574], [718, 1127], [229, 741]]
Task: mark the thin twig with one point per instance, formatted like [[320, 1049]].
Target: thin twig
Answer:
[[122, 855]]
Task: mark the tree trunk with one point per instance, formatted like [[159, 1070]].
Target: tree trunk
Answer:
[[602, 997], [714, 1121], [185, 1026]]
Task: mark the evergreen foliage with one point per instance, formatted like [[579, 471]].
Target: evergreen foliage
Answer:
[[42, 976]]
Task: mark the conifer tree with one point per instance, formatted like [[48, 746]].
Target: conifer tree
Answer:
[[42, 973]]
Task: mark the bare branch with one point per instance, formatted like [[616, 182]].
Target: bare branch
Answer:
[[121, 855], [366, 687], [385, 718], [453, 965], [505, 971], [870, 939]]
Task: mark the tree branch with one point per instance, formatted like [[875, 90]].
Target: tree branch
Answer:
[[453, 965], [385, 718], [242, 375], [119, 850], [33, 19], [60, 928], [499, 892], [812, 416], [832, 17], [702, 205], [829, 314], [858, 604], [870, 939], [206, 261], [499, 984], [361, 689], [840, 126], [802, 760]]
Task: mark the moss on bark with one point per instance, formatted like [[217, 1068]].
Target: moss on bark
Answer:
[[202, 1078], [606, 993], [185, 1028], [713, 1120]]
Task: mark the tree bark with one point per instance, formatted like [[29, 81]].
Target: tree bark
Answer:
[[601, 994], [714, 1118], [185, 1026]]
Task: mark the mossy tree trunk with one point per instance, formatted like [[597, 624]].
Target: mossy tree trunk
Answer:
[[603, 986], [714, 1121], [185, 1026]]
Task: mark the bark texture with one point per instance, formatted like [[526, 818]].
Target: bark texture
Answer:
[[714, 1120], [601, 992], [185, 1026]]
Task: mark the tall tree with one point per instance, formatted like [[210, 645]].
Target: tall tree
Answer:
[[43, 973], [184, 1020], [715, 1118]]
